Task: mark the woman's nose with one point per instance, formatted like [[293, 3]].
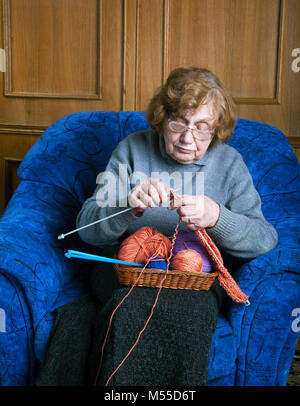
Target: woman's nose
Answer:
[[187, 136]]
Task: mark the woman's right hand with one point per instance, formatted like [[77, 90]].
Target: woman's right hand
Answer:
[[149, 193]]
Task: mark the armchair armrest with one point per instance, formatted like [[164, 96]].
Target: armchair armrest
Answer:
[[32, 258], [34, 261], [272, 283]]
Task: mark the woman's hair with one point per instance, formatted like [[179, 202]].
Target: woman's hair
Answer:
[[184, 91]]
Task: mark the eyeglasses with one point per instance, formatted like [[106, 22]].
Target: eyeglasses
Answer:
[[177, 127]]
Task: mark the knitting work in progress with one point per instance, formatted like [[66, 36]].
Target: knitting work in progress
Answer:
[[148, 244]]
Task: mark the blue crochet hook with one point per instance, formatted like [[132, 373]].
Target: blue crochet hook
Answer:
[[84, 255]]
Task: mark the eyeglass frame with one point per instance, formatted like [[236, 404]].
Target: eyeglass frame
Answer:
[[193, 130]]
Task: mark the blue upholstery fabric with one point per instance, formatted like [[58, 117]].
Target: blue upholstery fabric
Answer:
[[251, 346]]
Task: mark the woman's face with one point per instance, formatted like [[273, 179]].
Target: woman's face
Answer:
[[184, 147]]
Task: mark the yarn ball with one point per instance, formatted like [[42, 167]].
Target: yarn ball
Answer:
[[187, 261], [187, 239], [143, 243]]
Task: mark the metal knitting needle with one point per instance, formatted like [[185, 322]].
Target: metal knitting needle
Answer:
[[61, 236]]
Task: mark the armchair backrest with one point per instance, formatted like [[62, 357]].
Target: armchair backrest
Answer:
[[71, 152], [273, 165]]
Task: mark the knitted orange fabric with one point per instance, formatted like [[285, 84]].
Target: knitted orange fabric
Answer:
[[226, 280]]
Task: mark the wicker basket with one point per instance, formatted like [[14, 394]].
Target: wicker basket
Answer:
[[174, 279]]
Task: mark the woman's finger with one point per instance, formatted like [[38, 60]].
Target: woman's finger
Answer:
[[153, 194], [188, 200], [183, 200], [135, 202], [149, 193], [163, 192], [158, 191]]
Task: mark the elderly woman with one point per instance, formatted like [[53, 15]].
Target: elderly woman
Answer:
[[192, 116]]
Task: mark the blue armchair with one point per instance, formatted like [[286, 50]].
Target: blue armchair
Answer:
[[252, 345]]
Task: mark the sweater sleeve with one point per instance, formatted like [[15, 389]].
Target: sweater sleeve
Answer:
[[109, 197], [242, 230]]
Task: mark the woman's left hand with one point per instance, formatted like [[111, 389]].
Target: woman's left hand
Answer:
[[196, 211]]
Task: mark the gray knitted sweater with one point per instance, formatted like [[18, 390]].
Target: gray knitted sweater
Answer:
[[220, 174]]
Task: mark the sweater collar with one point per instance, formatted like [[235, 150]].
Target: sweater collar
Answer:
[[200, 162]]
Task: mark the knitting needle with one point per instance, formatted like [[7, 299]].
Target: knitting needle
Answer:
[[61, 236], [84, 255]]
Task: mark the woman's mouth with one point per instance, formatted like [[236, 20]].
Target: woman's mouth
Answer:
[[184, 150]]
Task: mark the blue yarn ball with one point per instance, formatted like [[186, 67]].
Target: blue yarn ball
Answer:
[[157, 263]]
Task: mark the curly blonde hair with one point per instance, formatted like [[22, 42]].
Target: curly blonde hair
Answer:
[[184, 91]]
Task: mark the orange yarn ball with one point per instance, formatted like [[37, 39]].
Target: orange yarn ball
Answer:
[[187, 261], [143, 243]]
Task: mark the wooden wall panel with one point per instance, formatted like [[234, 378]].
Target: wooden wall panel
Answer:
[[239, 40], [13, 148], [67, 42], [62, 56], [286, 114], [226, 37], [247, 43], [295, 142], [130, 61], [150, 55], [11, 180]]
